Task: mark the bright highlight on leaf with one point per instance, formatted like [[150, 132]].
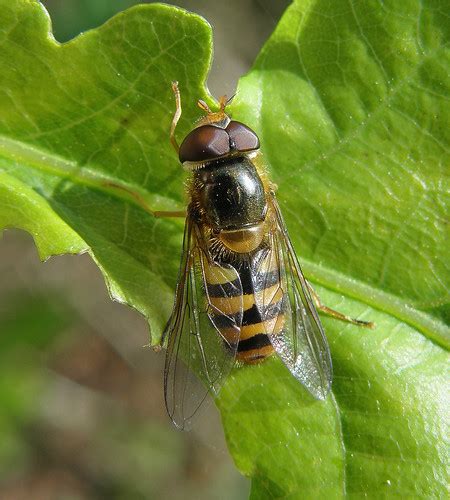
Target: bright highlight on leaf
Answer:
[[82, 119], [350, 101]]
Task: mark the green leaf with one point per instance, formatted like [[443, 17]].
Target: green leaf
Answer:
[[350, 100], [84, 124]]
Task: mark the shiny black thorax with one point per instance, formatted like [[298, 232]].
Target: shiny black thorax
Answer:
[[230, 193]]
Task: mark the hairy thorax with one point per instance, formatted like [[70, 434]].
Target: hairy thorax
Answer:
[[230, 199]]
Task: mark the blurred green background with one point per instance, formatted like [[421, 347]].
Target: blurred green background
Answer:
[[82, 413]]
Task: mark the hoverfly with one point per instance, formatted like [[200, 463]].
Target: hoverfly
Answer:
[[241, 294]]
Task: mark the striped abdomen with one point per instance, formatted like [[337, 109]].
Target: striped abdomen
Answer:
[[261, 300]]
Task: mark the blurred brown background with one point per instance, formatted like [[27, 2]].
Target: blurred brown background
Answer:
[[81, 403]]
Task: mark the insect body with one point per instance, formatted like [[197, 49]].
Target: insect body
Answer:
[[232, 197], [241, 293]]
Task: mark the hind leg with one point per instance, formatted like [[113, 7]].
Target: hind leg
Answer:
[[336, 314]]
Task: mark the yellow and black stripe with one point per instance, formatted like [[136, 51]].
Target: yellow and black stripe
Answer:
[[262, 302]]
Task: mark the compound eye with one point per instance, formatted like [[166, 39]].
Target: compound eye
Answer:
[[204, 143], [242, 137]]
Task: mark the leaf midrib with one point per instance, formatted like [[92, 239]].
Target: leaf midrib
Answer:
[[52, 164]]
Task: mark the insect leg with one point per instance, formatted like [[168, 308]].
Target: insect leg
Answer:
[[176, 116], [174, 213], [337, 314], [140, 200]]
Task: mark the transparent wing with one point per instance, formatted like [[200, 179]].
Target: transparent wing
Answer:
[[198, 356], [300, 340]]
